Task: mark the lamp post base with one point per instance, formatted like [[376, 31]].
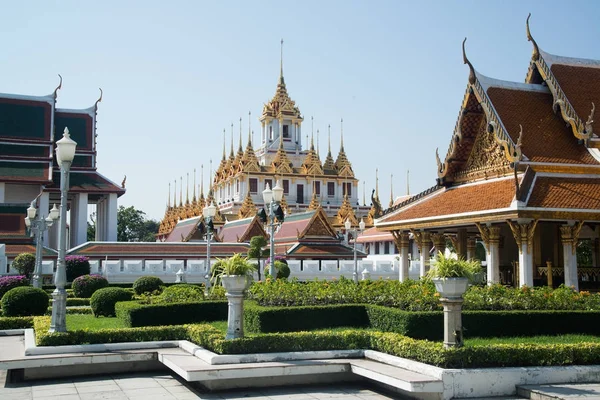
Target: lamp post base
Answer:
[[59, 311], [355, 277], [37, 281]]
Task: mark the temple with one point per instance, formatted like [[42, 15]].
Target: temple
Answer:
[[29, 129], [308, 182], [521, 175]]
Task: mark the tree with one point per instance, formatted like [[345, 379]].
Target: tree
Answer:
[[257, 250], [132, 226]]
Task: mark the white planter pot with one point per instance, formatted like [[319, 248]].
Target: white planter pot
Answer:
[[234, 283], [451, 287]]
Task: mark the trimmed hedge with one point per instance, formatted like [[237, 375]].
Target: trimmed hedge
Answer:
[[76, 301], [147, 284], [135, 314], [16, 323], [24, 301], [292, 319], [103, 300], [85, 285]]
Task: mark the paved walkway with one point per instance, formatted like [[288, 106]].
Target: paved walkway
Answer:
[[154, 386]]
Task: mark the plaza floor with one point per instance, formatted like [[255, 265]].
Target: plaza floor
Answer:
[[157, 386]]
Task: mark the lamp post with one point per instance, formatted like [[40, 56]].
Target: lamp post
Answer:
[[208, 212], [361, 227], [65, 152], [37, 227], [272, 199]]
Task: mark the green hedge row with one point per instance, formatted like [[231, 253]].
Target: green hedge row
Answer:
[[15, 323], [419, 325], [135, 314]]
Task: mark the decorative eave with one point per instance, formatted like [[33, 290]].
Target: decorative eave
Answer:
[[281, 105], [329, 164], [541, 64], [248, 208], [345, 212], [314, 202], [312, 164], [512, 152], [281, 163]]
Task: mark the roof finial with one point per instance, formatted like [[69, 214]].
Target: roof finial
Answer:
[[187, 188], [210, 177], [181, 191], [194, 187], [312, 133], [364, 202], [407, 182], [377, 182], [466, 61], [224, 144], [329, 138], [201, 180], [169, 200], [249, 128], [231, 151], [342, 134], [536, 49], [240, 146], [391, 190], [99, 99], [175, 193], [55, 94], [318, 142], [281, 64]]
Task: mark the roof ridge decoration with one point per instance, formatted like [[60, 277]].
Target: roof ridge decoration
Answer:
[[55, 93], [581, 130], [281, 164], [376, 210], [412, 199], [322, 218], [248, 207], [284, 206], [329, 164], [222, 165], [249, 161], [314, 202], [495, 125], [237, 163], [312, 164]]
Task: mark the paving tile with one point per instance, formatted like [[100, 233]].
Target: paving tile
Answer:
[[137, 383], [16, 395], [15, 389], [40, 391], [100, 388], [58, 397], [116, 395], [147, 392], [168, 382], [154, 397], [178, 389]]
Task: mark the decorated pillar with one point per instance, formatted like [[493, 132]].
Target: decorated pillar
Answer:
[[423, 240], [471, 245], [461, 242], [490, 235], [401, 241], [569, 236], [439, 241], [523, 234]]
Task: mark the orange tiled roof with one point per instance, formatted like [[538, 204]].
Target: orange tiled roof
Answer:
[[581, 84], [373, 235], [559, 192], [545, 136], [183, 230], [459, 199]]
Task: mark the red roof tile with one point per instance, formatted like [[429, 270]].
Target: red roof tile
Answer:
[[183, 230], [559, 192]]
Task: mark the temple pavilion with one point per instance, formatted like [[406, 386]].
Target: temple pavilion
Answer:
[[29, 129], [521, 174], [308, 181]]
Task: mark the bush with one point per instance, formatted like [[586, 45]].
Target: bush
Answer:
[[74, 301], [16, 323], [24, 263], [9, 282], [86, 285], [290, 319], [182, 293], [283, 271], [103, 300], [147, 284], [23, 301], [76, 267], [135, 314]]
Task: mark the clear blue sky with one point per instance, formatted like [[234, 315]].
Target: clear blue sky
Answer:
[[174, 74]]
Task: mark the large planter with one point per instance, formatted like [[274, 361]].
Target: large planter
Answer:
[[451, 288], [235, 285]]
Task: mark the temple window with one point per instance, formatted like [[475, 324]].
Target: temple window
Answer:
[[348, 189], [286, 186], [330, 189], [237, 186], [253, 185], [318, 188], [386, 248], [376, 247], [286, 131], [271, 132]]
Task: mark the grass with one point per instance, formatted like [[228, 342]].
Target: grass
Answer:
[[573, 338], [91, 323]]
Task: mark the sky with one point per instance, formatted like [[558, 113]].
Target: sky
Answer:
[[176, 73]]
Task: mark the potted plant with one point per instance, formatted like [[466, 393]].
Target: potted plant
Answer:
[[451, 276], [234, 273]]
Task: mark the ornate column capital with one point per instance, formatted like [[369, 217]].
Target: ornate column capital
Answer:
[[523, 233], [439, 240], [400, 239], [569, 234], [471, 243]]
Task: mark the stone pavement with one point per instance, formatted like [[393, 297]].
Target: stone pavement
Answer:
[[157, 386]]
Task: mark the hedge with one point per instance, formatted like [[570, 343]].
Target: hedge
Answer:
[[292, 319], [76, 301], [16, 323], [135, 314]]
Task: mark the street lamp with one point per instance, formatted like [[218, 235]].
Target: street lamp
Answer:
[[361, 227], [208, 212], [37, 227], [65, 153], [272, 199]]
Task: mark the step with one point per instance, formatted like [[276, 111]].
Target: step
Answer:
[[560, 391], [397, 377]]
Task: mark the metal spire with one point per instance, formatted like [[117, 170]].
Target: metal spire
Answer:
[[194, 187], [202, 180], [391, 190], [181, 191], [342, 134], [169, 200], [249, 128], [281, 64], [224, 143], [377, 182], [407, 182], [187, 188], [240, 146]]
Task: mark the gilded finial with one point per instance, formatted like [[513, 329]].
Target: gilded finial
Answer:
[[536, 49], [590, 120], [123, 182], [194, 187], [180, 191], [364, 202], [391, 190], [342, 134], [99, 99], [175, 193], [224, 144], [329, 138], [281, 64], [169, 198], [240, 146], [187, 188], [466, 61], [55, 94], [201, 180], [407, 182], [318, 142], [377, 182], [231, 152], [437, 158], [249, 128]]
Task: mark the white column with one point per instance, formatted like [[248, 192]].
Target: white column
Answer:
[[424, 240], [523, 234], [111, 215], [401, 240], [99, 216], [493, 255], [45, 210], [569, 236], [79, 219], [2, 192]]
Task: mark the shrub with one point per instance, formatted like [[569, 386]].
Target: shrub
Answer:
[[448, 267], [74, 301], [24, 263], [9, 282], [182, 293], [16, 323], [136, 314], [76, 267], [23, 301], [147, 284], [283, 271], [86, 285], [103, 300]]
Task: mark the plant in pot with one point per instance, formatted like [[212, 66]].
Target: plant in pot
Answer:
[[451, 276], [234, 273]]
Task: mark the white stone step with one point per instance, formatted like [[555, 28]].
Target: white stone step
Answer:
[[397, 377]]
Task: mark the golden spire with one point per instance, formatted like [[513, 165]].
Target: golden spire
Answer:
[[194, 199], [407, 182], [222, 166], [318, 153], [342, 165], [201, 203], [187, 188], [236, 166], [249, 160], [329, 164], [345, 212], [364, 202], [181, 191], [231, 153], [284, 206], [169, 199], [281, 65], [312, 163], [281, 163], [314, 203], [248, 208], [391, 190]]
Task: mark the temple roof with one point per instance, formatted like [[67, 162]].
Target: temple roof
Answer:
[[184, 230], [86, 182], [281, 105], [374, 235], [304, 225], [318, 251], [120, 250], [556, 192], [241, 230]]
